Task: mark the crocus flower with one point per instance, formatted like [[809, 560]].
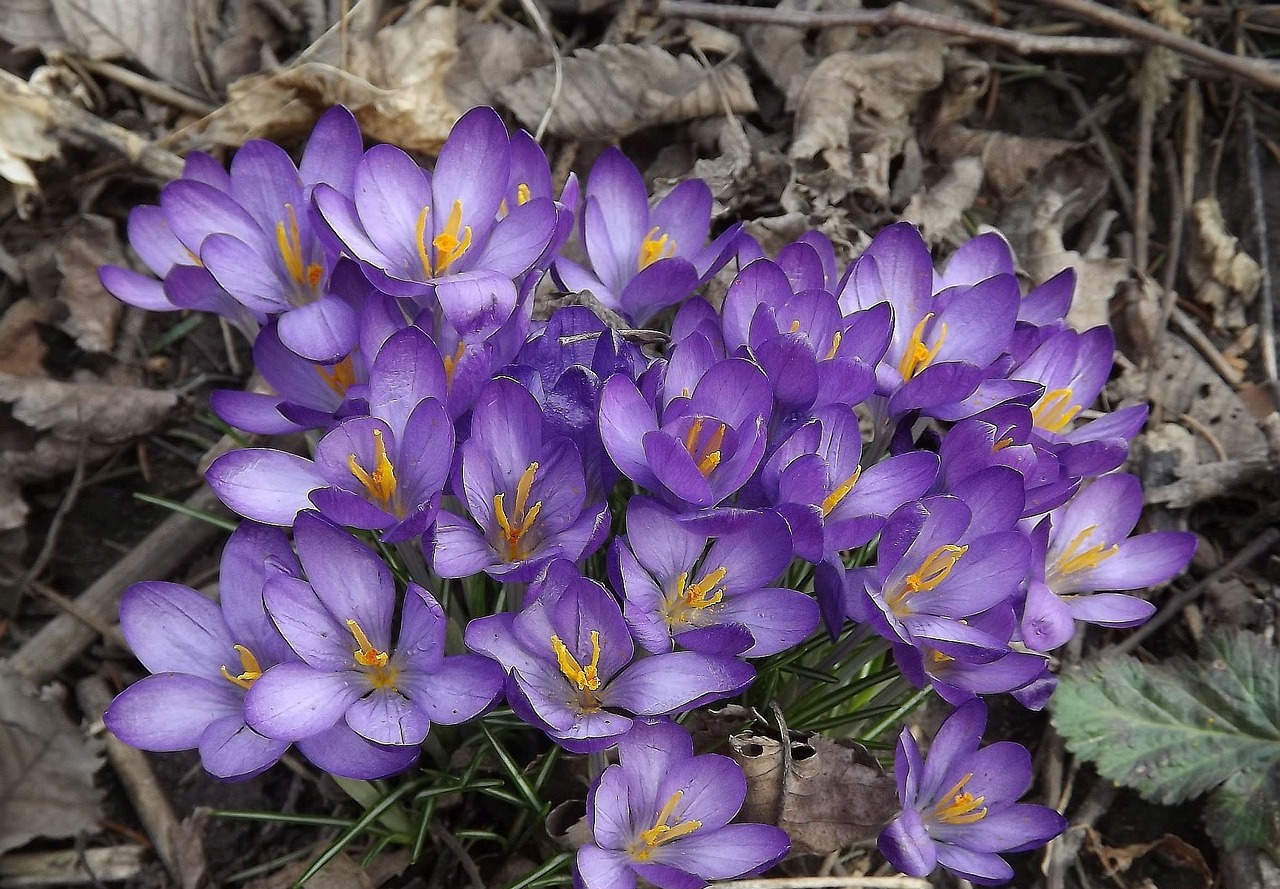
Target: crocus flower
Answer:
[[525, 493], [569, 654], [643, 260], [960, 804], [203, 657], [719, 601], [1085, 546], [437, 236], [385, 471], [338, 623], [662, 814]]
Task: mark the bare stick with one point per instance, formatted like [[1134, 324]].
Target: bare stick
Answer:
[[1259, 546], [61, 640], [138, 779], [1191, 330], [1267, 305], [1264, 75], [900, 14], [161, 92], [59, 114], [832, 882]]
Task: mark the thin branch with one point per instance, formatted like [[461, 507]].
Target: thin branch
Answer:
[[1264, 75], [900, 14], [1266, 305]]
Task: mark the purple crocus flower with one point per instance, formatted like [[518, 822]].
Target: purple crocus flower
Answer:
[[662, 815], [525, 490], [643, 260], [1085, 546], [437, 236], [959, 804], [681, 587], [385, 471], [702, 441], [338, 623], [569, 654]]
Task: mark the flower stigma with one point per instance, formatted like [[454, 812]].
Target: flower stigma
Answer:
[[932, 571], [653, 248], [449, 245], [1073, 559], [917, 355], [381, 482], [249, 669], [338, 377], [705, 454], [380, 674], [517, 526], [289, 243], [1053, 411], [586, 679], [957, 806], [661, 832], [832, 500]]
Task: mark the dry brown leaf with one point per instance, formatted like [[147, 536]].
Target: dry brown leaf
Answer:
[[342, 872], [1008, 161], [31, 24], [153, 32], [92, 312], [939, 211], [855, 109], [826, 794], [490, 56], [47, 426], [24, 138], [393, 82], [46, 769], [21, 349], [1116, 860], [1225, 277], [612, 90]]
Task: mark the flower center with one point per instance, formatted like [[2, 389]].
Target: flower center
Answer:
[[1073, 558], [653, 248], [585, 678], [338, 377], [249, 669], [918, 356], [959, 807], [832, 500], [380, 674], [289, 243], [381, 482], [661, 832], [1054, 410], [706, 454], [515, 528], [448, 246], [705, 593], [932, 571]]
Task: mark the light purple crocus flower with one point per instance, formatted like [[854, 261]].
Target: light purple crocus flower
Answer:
[[572, 675], [643, 260], [525, 493], [439, 236], [338, 623], [707, 590], [662, 814], [384, 472], [960, 804], [1085, 546]]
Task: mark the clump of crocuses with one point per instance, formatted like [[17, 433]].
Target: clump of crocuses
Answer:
[[499, 504]]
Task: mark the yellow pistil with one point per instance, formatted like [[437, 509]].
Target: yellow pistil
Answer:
[[661, 832], [1054, 410], [705, 454], [515, 527], [1073, 558], [653, 248], [451, 362], [451, 243], [523, 194], [289, 243], [1002, 443], [917, 355], [381, 482], [585, 678], [705, 592], [936, 660], [338, 377], [932, 571], [366, 655], [835, 346], [795, 326], [249, 668], [832, 500], [960, 807]]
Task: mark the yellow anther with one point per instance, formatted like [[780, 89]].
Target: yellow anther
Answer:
[[795, 325], [514, 527], [835, 346], [653, 248], [451, 243], [959, 807], [338, 377], [366, 655], [1073, 558], [424, 252], [1054, 410], [705, 454], [937, 660], [917, 355], [381, 482], [661, 832], [585, 678], [451, 361], [832, 500], [706, 592], [249, 668], [932, 571], [1002, 443], [523, 194]]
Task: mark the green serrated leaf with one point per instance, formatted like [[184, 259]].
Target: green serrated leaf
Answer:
[[1176, 730], [1245, 811]]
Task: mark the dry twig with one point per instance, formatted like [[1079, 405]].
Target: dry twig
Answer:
[[1266, 305]]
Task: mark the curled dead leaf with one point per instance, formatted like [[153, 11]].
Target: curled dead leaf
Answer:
[[1226, 278], [1008, 161], [613, 90], [92, 312], [939, 211]]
